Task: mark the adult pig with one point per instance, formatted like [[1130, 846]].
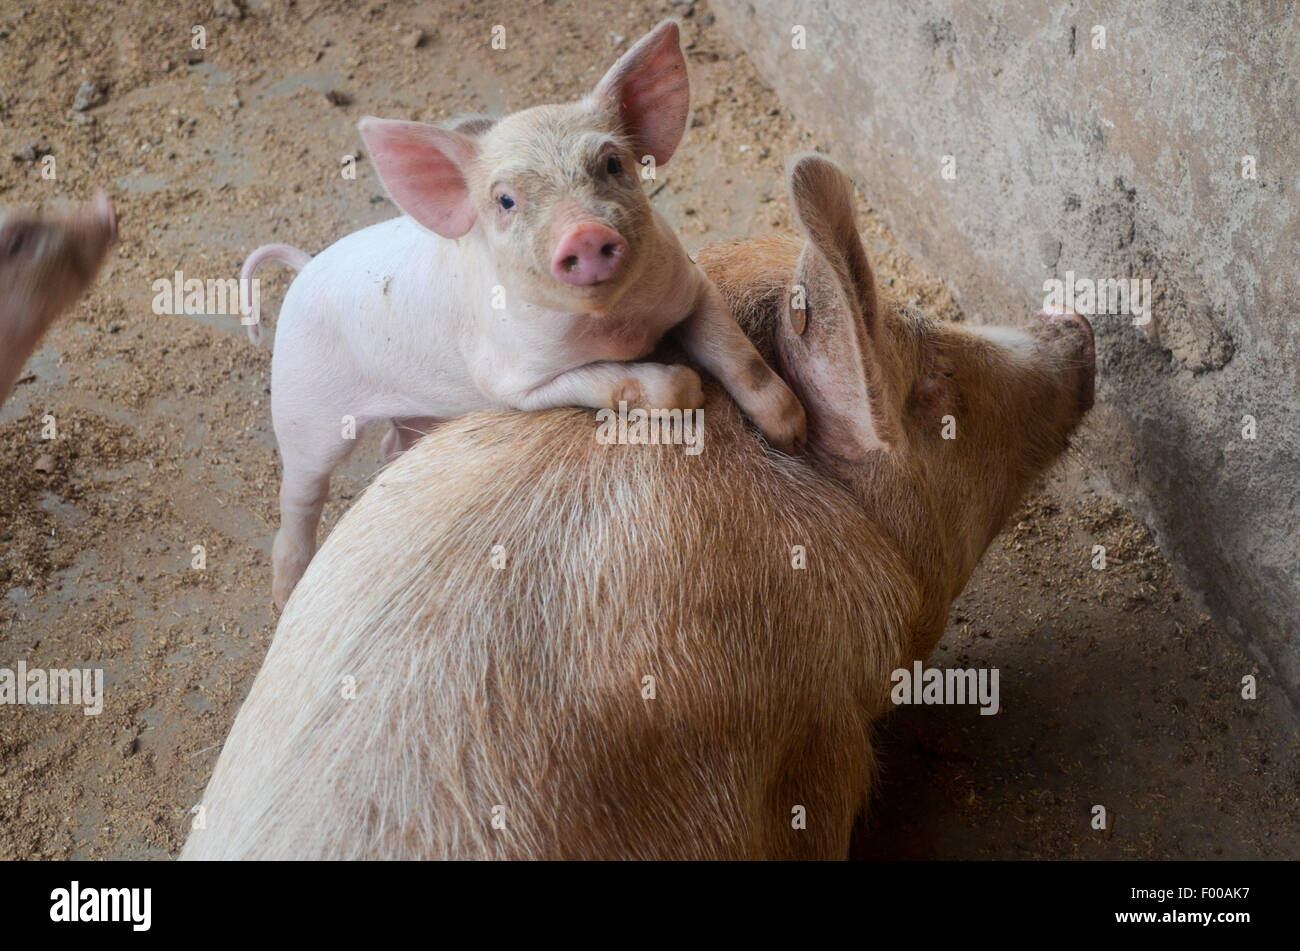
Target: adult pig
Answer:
[[521, 643]]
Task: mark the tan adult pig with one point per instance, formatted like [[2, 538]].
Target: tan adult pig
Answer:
[[650, 675], [529, 269]]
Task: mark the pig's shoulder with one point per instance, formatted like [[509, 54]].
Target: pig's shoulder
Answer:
[[395, 232], [382, 247]]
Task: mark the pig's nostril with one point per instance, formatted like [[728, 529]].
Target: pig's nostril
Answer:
[[571, 262], [610, 250]]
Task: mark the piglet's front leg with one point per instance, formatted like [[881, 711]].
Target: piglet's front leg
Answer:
[[606, 383], [713, 339]]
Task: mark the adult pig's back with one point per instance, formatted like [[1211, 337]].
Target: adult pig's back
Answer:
[[650, 674]]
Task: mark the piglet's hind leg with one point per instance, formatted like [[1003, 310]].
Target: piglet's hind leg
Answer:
[[303, 492]]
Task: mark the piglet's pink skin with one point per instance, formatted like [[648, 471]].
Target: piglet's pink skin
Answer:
[[529, 272], [46, 262]]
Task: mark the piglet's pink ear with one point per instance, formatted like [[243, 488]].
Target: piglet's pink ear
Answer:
[[649, 92], [422, 166]]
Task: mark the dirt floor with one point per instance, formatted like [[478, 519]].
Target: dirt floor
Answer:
[[1116, 689]]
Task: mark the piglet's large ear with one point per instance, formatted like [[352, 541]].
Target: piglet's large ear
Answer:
[[835, 350], [649, 92], [422, 167]]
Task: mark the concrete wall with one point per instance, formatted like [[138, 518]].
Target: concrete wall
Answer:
[[1111, 163]]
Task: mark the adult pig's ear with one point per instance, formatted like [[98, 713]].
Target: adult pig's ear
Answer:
[[832, 343], [649, 92], [422, 167]]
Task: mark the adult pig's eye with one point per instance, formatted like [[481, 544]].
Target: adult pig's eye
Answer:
[[614, 165], [16, 243], [506, 202]]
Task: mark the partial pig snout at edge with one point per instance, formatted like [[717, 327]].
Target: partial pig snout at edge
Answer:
[[99, 216], [589, 254], [92, 230], [1076, 324]]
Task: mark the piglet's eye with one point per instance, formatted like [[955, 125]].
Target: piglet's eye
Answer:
[[614, 165], [506, 202]]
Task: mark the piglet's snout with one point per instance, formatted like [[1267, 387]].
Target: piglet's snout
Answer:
[[89, 233], [1077, 328], [98, 219], [589, 254]]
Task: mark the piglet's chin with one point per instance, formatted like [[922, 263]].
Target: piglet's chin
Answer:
[[586, 299]]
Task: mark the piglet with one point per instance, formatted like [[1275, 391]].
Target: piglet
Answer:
[[46, 261], [529, 272]]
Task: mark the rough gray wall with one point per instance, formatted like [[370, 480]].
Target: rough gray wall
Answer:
[[1111, 163]]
